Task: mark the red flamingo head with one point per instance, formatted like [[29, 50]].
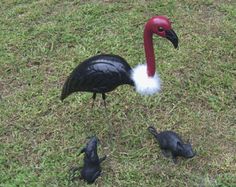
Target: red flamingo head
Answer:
[[161, 26]]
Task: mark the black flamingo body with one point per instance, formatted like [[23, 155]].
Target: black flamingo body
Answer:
[[99, 74]]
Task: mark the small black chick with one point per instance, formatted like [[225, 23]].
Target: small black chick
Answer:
[[171, 142], [91, 169]]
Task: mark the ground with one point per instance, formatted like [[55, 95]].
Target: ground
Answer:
[[42, 41]]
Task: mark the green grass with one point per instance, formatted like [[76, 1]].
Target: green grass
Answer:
[[42, 41]]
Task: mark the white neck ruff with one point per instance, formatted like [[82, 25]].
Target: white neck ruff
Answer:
[[144, 84]]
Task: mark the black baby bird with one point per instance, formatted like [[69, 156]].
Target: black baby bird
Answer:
[[171, 142], [91, 169]]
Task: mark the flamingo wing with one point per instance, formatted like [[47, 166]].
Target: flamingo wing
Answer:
[[98, 74]]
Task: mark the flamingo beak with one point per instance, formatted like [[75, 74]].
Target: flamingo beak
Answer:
[[172, 37]]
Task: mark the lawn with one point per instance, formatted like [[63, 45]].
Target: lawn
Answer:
[[41, 137]]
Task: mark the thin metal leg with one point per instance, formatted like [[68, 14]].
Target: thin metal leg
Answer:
[[94, 97], [104, 99]]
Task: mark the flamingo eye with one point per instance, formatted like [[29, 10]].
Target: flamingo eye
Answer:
[[160, 29]]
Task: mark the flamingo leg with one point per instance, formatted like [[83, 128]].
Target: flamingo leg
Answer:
[[94, 97], [104, 99]]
